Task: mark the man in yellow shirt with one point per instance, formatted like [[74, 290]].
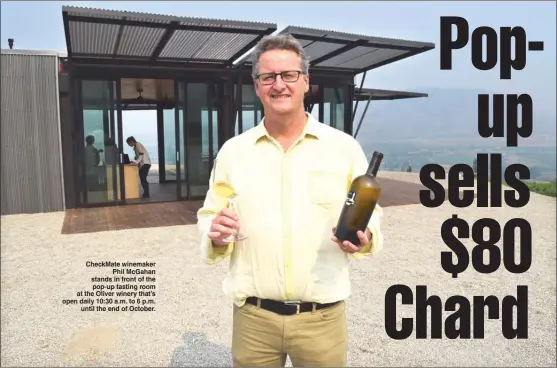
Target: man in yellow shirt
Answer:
[[289, 277]]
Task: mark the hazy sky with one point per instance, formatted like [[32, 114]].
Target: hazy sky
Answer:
[[38, 25]]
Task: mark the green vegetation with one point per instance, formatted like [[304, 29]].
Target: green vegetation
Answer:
[[548, 188]]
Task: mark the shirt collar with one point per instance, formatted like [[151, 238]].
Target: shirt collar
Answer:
[[312, 127]]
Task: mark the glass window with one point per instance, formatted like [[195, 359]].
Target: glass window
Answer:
[[169, 126], [252, 109], [334, 107], [202, 136], [100, 159]]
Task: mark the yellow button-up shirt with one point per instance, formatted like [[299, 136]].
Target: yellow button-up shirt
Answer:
[[288, 203]]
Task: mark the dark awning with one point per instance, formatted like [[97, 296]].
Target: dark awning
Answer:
[[382, 94], [154, 39], [352, 53], [372, 94]]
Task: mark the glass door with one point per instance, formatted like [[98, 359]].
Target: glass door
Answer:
[[330, 105], [334, 107], [101, 143], [197, 139], [180, 136]]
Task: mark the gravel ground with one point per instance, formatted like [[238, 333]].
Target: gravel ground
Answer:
[[191, 325]]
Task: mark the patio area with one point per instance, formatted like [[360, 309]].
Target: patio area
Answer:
[[133, 216]]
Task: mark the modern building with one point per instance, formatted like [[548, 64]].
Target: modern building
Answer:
[[194, 75]]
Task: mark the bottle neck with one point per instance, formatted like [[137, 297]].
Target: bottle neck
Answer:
[[374, 165]]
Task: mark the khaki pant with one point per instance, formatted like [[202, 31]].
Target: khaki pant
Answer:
[[262, 338]]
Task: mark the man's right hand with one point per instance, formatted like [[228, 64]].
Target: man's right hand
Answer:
[[223, 225]]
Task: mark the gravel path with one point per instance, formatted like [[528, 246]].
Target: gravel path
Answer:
[[191, 325]]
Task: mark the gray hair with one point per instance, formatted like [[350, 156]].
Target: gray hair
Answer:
[[279, 42]]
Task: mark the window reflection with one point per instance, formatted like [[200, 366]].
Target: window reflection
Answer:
[[202, 135], [327, 104], [99, 161], [252, 110], [169, 126], [333, 107]]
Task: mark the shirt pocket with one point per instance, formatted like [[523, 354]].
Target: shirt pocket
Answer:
[[326, 188]]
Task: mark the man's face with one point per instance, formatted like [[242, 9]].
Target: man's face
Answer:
[[281, 97]]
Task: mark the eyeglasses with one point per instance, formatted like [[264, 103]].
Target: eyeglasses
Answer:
[[288, 76]]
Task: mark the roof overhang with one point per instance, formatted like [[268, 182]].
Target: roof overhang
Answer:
[[352, 53], [153, 40], [373, 94]]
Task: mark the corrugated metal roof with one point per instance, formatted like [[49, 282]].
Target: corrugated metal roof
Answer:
[[125, 35], [163, 18], [384, 94], [352, 36], [353, 53]]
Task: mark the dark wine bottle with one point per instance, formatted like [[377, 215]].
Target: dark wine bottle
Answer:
[[360, 202]]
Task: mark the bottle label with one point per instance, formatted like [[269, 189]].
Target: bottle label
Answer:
[[350, 199]]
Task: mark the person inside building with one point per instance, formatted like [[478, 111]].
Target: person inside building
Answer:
[[143, 161], [288, 278], [92, 161]]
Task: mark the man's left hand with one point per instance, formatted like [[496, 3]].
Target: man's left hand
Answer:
[[348, 247]]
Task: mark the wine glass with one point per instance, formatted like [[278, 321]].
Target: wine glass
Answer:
[[226, 190]]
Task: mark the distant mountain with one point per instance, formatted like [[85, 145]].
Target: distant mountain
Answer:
[[442, 128], [446, 117]]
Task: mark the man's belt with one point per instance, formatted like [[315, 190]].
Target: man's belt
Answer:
[[287, 308]]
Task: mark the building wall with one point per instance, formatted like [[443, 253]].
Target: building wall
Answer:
[[31, 161], [67, 132]]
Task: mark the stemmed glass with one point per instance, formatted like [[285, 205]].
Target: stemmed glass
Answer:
[[226, 190]]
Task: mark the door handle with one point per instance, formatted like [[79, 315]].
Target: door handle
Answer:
[[177, 156]]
